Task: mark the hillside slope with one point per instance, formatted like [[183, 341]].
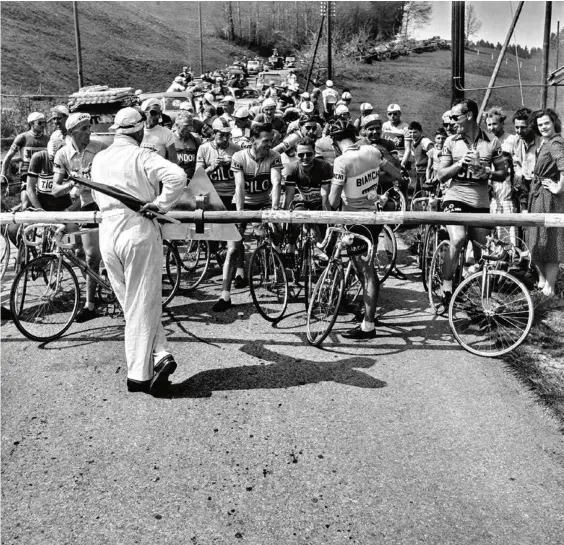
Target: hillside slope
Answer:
[[138, 44]]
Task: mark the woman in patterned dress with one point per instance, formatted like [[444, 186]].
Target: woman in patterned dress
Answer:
[[547, 196]]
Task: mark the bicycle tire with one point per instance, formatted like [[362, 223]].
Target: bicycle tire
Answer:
[[309, 271], [386, 253], [422, 205], [44, 298], [491, 313], [435, 279], [195, 257], [4, 254], [325, 302], [400, 205], [268, 283], [430, 244], [171, 273]]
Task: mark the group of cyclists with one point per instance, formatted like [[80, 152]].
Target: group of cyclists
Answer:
[[289, 148]]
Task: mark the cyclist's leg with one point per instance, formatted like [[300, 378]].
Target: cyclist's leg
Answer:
[[370, 290], [91, 243], [457, 237]]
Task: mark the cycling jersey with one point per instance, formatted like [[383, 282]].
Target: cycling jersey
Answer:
[[356, 170], [309, 183], [397, 134], [41, 167], [241, 137], [27, 144], [158, 138], [222, 177], [464, 187], [186, 151], [258, 182]]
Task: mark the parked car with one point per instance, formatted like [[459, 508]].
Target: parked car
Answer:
[[254, 67], [290, 62], [275, 63], [265, 77], [244, 97]]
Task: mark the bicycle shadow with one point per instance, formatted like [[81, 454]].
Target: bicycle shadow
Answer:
[[282, 372]]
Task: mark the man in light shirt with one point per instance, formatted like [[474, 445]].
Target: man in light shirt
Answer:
[[157, 137]]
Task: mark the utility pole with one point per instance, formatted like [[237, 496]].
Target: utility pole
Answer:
[[457, 34], [329, 59], [546, 53], [78, 48], [315, 51], [201, 40], [557, 60]]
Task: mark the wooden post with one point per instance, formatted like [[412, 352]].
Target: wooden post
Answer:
[[201, 39], [315, 51], [78, 47], [329, 60], [546, 53], [499, 59], [557, 60], [457, 31]]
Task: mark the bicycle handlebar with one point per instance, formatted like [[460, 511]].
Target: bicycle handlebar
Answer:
[[57, 238], [346, 233], [491, 257]]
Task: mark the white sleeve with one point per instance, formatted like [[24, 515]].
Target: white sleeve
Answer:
[[173, 178]]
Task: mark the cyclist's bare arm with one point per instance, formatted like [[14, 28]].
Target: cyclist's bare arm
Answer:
[[390, 169], [239, 189], [30, 190], [8, 160], [325, 196], [335, 196], [60, 186], [290, 194], [448, 169], [276, 179]]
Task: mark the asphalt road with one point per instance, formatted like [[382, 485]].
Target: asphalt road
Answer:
[[266, 440]]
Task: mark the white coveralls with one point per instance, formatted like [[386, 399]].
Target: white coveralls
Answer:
[[131, 245]]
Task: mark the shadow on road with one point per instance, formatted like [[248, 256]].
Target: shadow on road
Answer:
[[283, 372]]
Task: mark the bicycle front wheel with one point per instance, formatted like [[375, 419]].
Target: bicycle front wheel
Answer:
[[172, 268], [195, 257], [44, 298], [268, 283], [325, 301], [386, 253], [430, 241], [310, 271], [491, 313]]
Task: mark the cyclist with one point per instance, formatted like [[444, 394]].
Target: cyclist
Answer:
[[417, 148], [268, 117], [186, 142], [155, 135], [257, 172], [366, 109], [228, 105], [26, 144], [469, 159], [330, 97], [59, 115], [241, 133], [355, 181], [76, 158], [310, 177], [434, 159], [396, 131]]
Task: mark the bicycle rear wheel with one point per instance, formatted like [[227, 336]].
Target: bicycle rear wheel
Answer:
[[491, 313], [385, 254], [195, 258], [268, 283], [172, 268], [325, 301], [44, 298]]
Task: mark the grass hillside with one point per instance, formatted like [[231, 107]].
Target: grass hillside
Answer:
[[138, 44]]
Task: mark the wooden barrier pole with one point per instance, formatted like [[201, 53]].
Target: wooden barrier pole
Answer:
[[284, 216]]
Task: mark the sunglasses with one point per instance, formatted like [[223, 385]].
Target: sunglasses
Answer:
[[393, 113], [56, 118], [154, 112], [310, 127], [305, 154], [459, 116]]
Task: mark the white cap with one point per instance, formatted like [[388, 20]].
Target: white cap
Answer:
[[306, 107], [151, 104], [127, 121], [179, 79], [369, 119], [222, 125], [268, 103], [346, 96], [341, 109], [329, 83], [76, 119], [59, 109], [209, 97], [35, 116], [241, 113], [228, 98], [366, 106], [394, 108], [305, 95]]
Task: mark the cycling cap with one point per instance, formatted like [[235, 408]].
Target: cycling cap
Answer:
[[77, 119], [305, 95], [342, 129], [346, 96], [60, 109], [151, 104], [35, 116], [268, 103], [271, 82], [208, 97], [228, 98], [184, 116], [446, 117], [241, 113], [341, 109], [179, 79], [366, 106], [222, 125], [306, 107], [370, 120], [329, 83], [127, 121], [394, 108]]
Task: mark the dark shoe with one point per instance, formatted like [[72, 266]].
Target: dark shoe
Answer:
[[398, 274], [138, 386], [159, 384], [86, 314], [447, 296], [222, 305], [7, 314], [358, 335], [239, 283]]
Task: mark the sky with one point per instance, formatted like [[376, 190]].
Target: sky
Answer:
[[496, 18]]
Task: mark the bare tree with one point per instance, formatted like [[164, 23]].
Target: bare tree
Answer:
[[230, 23], [415, 14], [472, 24]]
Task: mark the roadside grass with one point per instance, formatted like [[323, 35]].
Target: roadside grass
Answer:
[[539, 362]]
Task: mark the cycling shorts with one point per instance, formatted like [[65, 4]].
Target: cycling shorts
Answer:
[[91, 207], [358, 246], [462, 207]]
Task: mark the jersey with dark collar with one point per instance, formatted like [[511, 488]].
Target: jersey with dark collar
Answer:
[[464, 187], [28, 143], [309, 183], [258, 182], [186, 151], [41, 167]]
